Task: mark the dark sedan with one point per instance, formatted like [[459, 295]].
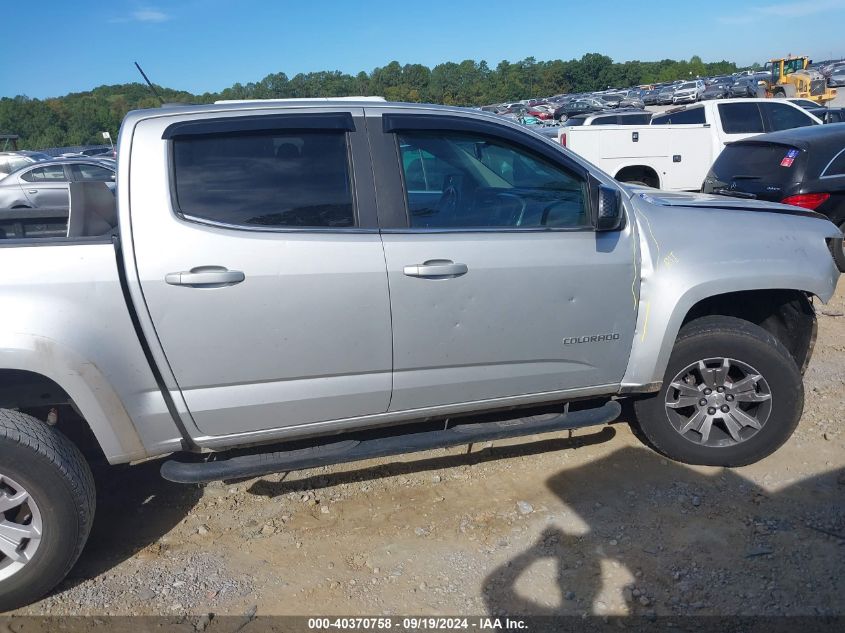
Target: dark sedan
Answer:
[[828, 115], [717, 91], [650, 96], [803, 166], [579, 106], [745, 87]]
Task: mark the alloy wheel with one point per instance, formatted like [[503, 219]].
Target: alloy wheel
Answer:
[[718, 402], [20, 527]]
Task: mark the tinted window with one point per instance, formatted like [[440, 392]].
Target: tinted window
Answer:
[[466, 181], [51, 173], [634, 119], [741, 118], [90, 172], [688, 116], [570, 122], [605, 120], [784, 117], [280, 178], [837, 167]]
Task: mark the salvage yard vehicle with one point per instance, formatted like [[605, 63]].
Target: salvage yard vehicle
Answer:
[[791, 77], [45, 184], [286, 284], [804, 167], [677, 149]]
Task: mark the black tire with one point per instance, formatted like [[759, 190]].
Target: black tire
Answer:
[[726, 337], [57, 477], [837, 248]]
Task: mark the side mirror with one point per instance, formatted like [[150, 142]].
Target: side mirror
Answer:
[[607, 211]]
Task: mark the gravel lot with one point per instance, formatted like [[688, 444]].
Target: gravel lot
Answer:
[[592, 523]]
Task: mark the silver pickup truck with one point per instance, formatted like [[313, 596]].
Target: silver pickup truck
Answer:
[[283, 285]]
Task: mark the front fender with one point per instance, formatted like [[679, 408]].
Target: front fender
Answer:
[[690, 254]]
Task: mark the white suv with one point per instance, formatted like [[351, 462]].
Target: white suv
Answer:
[[688, 92]]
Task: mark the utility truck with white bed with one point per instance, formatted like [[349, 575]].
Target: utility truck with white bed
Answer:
[[676, 150]]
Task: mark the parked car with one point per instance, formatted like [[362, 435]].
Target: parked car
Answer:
[[828, 115], [651, 96], [665, 96], [45, 184], [807, 104], [392, 338], [12, 161], [719, 90], [612, 117], [837, 78], [579, 106], [688, 92], [745, 87], [803, 167], [677, 149]]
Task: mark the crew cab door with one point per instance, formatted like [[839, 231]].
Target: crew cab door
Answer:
[[499, 286], [261, 265]]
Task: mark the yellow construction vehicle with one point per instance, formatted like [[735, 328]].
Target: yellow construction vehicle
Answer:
[[790, 77]]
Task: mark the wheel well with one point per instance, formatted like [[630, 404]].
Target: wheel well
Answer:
[[38, 395], [786, 314], [639, 173]]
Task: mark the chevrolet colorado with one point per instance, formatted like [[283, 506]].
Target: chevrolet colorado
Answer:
[[284, 284]]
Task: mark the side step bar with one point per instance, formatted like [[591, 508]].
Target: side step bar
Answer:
[[368, 446]]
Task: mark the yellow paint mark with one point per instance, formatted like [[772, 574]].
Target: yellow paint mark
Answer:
[[645, 320], [656, 243]]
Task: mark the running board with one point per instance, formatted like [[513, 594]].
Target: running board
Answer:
[[350, 450]]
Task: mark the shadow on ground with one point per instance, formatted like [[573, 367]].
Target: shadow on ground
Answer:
[[661, 538], [135, 508], [274, 489]]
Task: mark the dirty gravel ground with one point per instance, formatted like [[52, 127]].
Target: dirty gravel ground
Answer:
[[594, 523]]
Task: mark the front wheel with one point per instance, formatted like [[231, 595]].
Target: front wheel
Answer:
[[732, 395], [46, 508]]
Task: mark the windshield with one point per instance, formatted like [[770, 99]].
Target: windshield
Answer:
[[687, 85]]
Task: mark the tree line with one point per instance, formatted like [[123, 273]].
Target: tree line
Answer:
[[80, 118]]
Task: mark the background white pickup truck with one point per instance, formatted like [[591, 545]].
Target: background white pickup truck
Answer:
[[680, 145]]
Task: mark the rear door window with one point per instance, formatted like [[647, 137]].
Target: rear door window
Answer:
[[741, 118], [784, 117], [605, 120], [284, 178], [51, 173]]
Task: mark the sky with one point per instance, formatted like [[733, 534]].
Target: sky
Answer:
[[52, 47]]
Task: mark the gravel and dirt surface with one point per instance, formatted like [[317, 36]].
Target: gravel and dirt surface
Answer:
[[589, 524]]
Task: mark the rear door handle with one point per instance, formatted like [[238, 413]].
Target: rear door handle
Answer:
[[436, 269], [32, 190], [205, 277]]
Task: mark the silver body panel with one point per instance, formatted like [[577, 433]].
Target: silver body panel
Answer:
[[327, 333]]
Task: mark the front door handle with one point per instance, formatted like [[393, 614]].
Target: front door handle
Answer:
[[436, 269], [205, 277], [32, 190]]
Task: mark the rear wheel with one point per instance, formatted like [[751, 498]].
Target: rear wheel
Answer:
[[46, 508], [732, 395]]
